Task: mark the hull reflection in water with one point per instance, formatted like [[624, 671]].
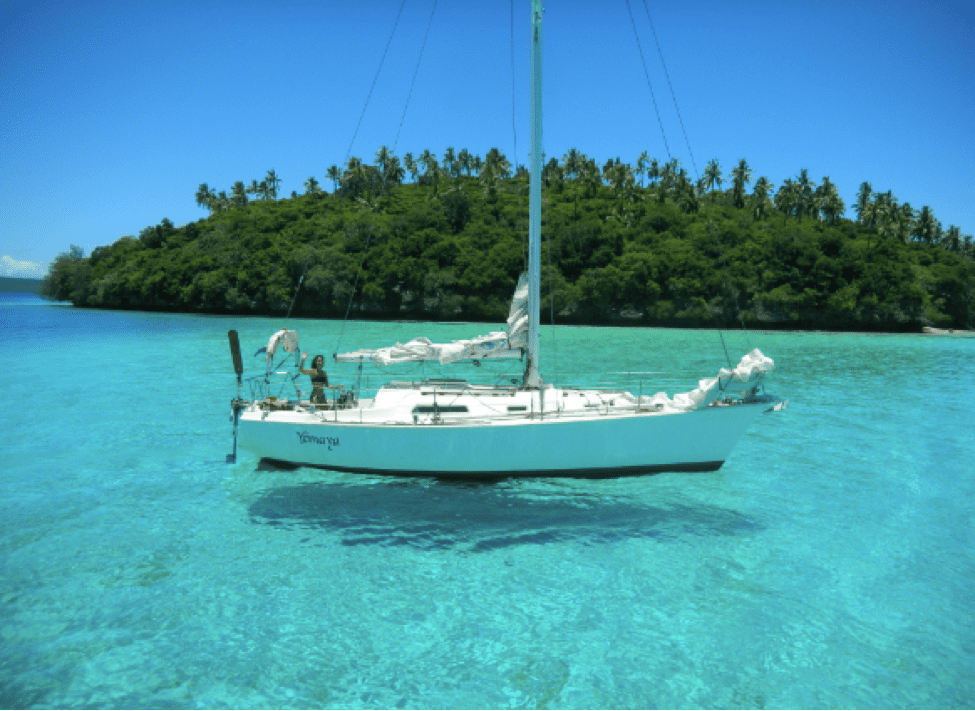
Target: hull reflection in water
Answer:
[[478, 517]]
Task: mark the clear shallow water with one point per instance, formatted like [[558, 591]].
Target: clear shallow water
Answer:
[[828, 564]]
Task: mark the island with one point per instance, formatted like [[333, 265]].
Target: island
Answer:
[[621, 244]]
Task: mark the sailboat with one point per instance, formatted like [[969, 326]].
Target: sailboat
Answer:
[[454, 428]]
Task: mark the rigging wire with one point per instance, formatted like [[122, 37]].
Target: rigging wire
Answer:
[[349, 152], [712, 229], [646, 73], [304, 270], [374, 79], [514, 129], [551, 299], [416, 71], [365, 248], [355, 284], [670, 86]]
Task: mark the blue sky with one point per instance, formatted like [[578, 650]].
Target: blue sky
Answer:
[[112, 113]]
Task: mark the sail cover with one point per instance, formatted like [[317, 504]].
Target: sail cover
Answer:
[[497, 344], [749, 374]]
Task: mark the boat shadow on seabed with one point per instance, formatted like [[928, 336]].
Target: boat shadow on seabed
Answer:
[[477, 517]]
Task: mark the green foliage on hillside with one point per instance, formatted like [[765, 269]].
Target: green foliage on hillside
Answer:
[[450, 245]]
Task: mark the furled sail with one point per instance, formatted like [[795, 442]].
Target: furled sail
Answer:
[[497, 344], [747, 376], [288, 340]]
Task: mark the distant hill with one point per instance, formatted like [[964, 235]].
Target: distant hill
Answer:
[[19, 285]]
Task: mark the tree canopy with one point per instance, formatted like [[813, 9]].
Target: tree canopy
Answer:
[[664, 250]]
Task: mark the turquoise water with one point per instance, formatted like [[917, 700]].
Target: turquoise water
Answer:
[[828, 564]]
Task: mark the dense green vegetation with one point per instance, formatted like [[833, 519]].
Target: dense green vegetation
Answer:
[[446, 239]]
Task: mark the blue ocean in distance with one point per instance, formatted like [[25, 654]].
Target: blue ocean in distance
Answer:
[[829, 563]]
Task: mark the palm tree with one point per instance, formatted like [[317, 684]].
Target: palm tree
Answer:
[[741, 175], [335, 175], [383, 156], [410, 164], [668, 174], [254, 188], [273, 183], [489, 182], [608, 167], [394, 172], [425, 158], [805, 189], [653, 175], [686, 195], [554, 175], [883, 213], [433, 172], [353, 177], [621, 177], [871, 213], [205, 196], [828, 200], [450, 162], [549, 167], [353, 164], [712, 175], [761, 202], [590, 178], [312, 187], [786, 198], [641, 166], [239, 192], [910, 214], [653, 171], [498, 163], [863, 200], [906, 222], [573, 162], [925, 226], [477, 164], [464, 161], [701, 187]]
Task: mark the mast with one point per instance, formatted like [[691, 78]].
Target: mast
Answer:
[[532, 378]]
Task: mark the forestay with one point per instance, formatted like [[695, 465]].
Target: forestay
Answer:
[[497, 344]]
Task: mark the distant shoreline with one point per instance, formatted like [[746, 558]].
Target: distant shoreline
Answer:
[[751, 327], [19, 285], [954, 332]]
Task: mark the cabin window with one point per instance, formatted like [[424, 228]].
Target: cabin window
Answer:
[[434, 409], [517, 408]]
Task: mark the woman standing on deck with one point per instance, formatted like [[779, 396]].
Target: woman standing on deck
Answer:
[[319, 378]]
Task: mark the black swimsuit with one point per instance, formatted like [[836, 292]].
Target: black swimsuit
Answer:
[[319, 382]]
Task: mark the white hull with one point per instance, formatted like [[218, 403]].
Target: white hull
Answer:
[[583, 444]]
